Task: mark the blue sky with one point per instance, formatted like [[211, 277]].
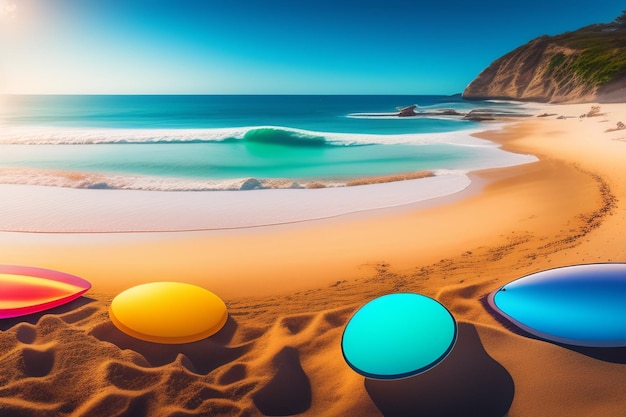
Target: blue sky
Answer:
[[269, 46]]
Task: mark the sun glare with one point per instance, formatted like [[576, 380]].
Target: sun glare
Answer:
[[8, 10]]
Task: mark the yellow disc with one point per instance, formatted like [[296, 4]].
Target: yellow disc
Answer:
[[168, 312]]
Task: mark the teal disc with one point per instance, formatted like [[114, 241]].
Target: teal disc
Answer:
[[397, 336]]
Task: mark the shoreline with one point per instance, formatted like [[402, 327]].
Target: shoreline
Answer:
[[78, 210], [16, 146], [340, 240], [290, 290]]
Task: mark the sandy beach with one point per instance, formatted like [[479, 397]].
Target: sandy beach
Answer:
[[290, 289]]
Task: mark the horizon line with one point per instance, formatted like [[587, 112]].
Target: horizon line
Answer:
[[224, 94]]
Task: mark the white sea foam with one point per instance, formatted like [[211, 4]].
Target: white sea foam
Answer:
[[491, 157], [58, 201], [373, 116], [503, 101], [104, 181], [37, 135], [28, 208], [88, 180], [378, 116]]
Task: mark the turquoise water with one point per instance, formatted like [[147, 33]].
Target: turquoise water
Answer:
[[119, 141], [237, 160], [581, 305], [397, 336]]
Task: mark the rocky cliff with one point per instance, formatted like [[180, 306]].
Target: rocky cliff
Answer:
[[586, 65]]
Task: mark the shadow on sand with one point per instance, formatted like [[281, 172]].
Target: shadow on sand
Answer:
[[606, 354], [201, 357], [6, 324], [289, 391], [467, 383]]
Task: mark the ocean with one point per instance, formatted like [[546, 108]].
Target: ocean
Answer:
[[198, 143]]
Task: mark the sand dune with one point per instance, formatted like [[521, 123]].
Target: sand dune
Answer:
[[294, 288]]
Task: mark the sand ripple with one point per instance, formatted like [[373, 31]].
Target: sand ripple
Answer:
[[72, 361]]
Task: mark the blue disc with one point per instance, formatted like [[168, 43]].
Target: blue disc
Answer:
[[398, 336], [583, 305]]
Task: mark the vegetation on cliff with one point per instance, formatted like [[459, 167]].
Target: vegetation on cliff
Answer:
[[574, 66], [603, 55]]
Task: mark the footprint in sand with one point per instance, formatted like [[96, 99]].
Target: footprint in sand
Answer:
[[38, 363]]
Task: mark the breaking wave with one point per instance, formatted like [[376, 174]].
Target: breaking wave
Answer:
[[100, 181], [256, 134]]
